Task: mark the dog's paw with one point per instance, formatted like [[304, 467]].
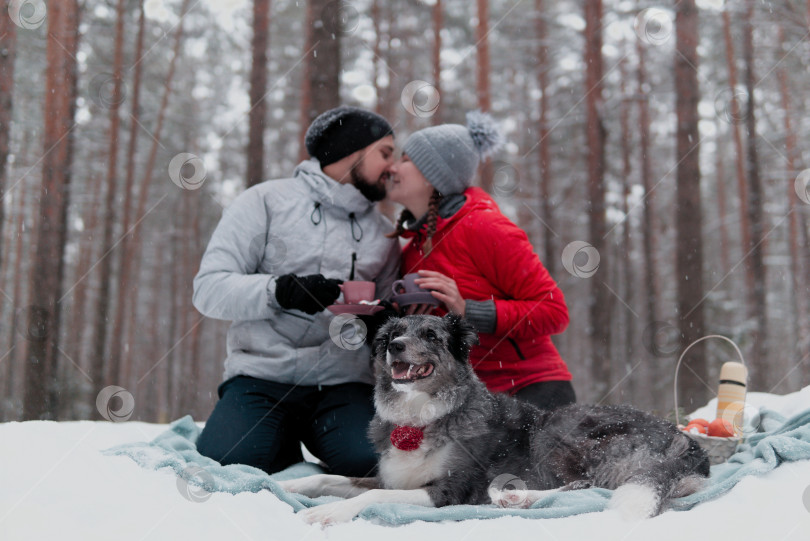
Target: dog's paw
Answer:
[[292, 485], [312, 486], [331, 513], [510, 499], [288, 485], [635, 502]]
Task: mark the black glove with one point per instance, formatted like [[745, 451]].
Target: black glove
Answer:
[[310, 294], [375, 321]]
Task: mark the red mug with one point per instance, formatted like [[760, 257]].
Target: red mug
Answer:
[[355, 291]]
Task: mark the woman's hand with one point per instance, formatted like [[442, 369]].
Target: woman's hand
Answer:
[[443, 288]]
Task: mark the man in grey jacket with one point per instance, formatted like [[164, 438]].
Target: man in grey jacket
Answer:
[[274, 263]]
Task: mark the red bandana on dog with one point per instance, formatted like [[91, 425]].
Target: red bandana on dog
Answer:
[[407, 438]]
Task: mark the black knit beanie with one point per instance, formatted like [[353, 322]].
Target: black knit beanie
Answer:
[[343, 130]]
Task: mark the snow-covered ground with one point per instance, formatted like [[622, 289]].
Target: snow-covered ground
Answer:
[[55, 484]]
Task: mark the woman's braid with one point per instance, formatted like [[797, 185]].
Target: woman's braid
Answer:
[[432, 218]]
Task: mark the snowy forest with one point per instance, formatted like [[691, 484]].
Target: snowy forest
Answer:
[[657, 157]]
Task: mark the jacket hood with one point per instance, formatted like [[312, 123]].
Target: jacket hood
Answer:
[[328, 191]]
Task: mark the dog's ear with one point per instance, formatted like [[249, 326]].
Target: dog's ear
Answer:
[[380, 343], [462, 336]]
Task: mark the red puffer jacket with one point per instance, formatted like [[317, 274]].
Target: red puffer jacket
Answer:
[[489, 257]]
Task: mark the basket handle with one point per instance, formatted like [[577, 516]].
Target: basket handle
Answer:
[[678, 366]]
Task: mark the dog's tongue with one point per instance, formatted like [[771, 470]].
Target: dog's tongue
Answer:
[[406, 371], [400, 370]]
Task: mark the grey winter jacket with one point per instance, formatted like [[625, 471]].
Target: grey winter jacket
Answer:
[[307, 224]]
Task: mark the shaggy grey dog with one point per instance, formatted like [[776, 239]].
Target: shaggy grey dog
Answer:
[[443, 439]]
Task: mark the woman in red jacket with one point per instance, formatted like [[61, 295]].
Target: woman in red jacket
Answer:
[[478, 263]]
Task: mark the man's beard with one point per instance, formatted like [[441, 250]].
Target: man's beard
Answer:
[[373, 191]]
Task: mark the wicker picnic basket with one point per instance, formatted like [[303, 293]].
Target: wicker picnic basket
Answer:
[[718, 449]]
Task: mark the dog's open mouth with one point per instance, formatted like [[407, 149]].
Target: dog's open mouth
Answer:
[[404, 372]]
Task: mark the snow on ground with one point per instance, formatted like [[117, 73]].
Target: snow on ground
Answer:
[[55, 484]]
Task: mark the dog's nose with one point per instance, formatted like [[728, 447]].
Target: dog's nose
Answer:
[[396, 347]]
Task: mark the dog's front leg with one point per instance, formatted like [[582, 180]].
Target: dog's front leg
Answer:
[[332, 513], [330, 485]]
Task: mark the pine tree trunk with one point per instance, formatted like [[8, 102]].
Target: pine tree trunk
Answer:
[[118, 349], [105, 369], [305, 106], [47, 265], [482, 81], [720, 174], [543, 67], [390, 103], [688, 219], [760, 379], [320, 89], [520, 191], [8, 50], [438, 24], [629, 356], [195, 320], [798, 279], [600, 302], [258, 88], [71, 49], [157, 398], [733, 115], [326, 61], [140, 209], [377, 50], [14, 341], [648, 218], [386, 207], [181, 295], [26, 235], [174, 317], [8, 54], [87, 245], [166, 367]]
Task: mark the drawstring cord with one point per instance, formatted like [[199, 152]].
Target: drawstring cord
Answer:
[[357, 231], [319, 211], [353, 221]]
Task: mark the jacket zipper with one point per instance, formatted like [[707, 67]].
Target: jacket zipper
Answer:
[[354, 262]]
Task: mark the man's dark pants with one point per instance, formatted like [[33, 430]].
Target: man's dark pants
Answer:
[[262, 424]]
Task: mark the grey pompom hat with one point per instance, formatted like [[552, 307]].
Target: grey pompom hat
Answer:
[[448, 155]]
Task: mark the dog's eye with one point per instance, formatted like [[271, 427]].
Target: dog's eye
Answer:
[[430, 335]]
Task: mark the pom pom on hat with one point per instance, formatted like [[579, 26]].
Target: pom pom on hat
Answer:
[[484, 133]]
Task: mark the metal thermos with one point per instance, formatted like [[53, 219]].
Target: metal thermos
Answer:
[[731, 394]]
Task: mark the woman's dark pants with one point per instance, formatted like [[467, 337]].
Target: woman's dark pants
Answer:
[[548, 395]]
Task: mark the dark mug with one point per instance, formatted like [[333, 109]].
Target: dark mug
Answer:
[[407, 285]]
